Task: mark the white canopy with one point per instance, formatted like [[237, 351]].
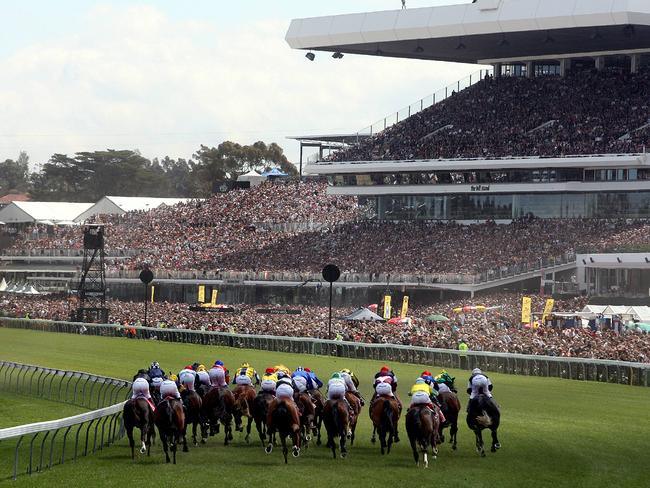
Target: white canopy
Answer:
[[47, 213], [597, 309], [253, 177], [641, 314], [3, 285]]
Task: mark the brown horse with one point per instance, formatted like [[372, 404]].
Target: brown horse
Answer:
[[192, 404], [283, 418], [244, 399], [319, 404], [260, 411], [170, 420], [336, 419], [450, 408], [385, 413], [355, 406], [218, 406], [422, 425], [307, 411], [138, 414]]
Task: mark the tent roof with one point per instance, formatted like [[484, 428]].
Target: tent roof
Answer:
[[15, 197], [43, 211], [363, 314], [130, 204], [274, 172], [594, 308]]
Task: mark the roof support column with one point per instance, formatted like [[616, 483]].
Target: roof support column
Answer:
[[530, 69], [497, 70], [565, 66], [635, 60], [599, 61]]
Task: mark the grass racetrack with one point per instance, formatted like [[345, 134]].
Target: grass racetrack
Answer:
[[554, 432]]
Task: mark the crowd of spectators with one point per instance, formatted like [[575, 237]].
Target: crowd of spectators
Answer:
[[498, 329], [587, 112]]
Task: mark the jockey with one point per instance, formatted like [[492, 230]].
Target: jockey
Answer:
[[219, 364], [218, 377], [314, 379], [351, 386], [156, 374], [434, 387], [281, 368], [336, 387], [140, 389], [284, 389], [477, 382], [187, 378], [142, 373], [386, 375], [269, 380], [422, 394], [245, 376], [302, 379], [169, 389], [445, 382], [202, 376]]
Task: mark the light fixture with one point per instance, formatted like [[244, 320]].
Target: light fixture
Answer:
[[337, 55], [310, 56]]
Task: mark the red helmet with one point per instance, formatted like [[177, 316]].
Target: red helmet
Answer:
[[189, 366], [426, 373], [384, 369], [308, 370], [270, 370]]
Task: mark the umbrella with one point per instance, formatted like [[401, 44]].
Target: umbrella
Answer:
[[363, 314], [437, 318], [642, 326]]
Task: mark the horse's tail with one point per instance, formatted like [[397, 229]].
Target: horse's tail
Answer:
[[336, 420], [388, 413], [484, 420]]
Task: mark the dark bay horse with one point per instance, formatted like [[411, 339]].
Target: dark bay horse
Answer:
[[192, 404], [319, 404], [218, 406], [422, 425], [336, 418], [260, 410], [283, 418], [355, 405], [483, 413], [450, 408], [138, 414], [170, 420], [244, 399], [385, 413], [307, 411]]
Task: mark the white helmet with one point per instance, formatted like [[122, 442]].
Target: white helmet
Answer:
[[476, 371]]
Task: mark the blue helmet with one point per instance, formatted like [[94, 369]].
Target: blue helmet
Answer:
[[218, 362]]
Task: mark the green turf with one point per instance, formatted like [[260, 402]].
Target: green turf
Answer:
[[22, 409], [554, 432]]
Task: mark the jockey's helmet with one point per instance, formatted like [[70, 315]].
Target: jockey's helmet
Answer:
[[201, 367], [426, 373], [476, 371], [155, 365], [218, 362], [245, 365], [336, 376], [173, 377], [307, 370], [346, 371], [384, 369], [270, 371], [300, 368], [419, 381], [189, 366]]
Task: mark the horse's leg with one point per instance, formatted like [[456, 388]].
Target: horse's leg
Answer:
[[296, 444], [382, 440], [248, 430], [414, 448], [151, 433], [144, 434], [174, 444], [453, 431], [479, 442], [373, 439], [495, 441], [391, 435], [285, 449], [195, 426], [163, 439], [129, 434], [331, 444], [269, 446], [318, 428], [353, 427], [260, 430]]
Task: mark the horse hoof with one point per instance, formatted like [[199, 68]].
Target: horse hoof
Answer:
[[308, 438], [185, 449], [494, 449], [497, 446], [296, 452], [269, 449], [142, 450], [318, 442], [454, 447], [373, 440], [344, 455]]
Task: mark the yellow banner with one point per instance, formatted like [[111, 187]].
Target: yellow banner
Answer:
[[201, 293], [405, 307], [387, 308], [213, 301], [548, 309], [153, 288], [525, 310]]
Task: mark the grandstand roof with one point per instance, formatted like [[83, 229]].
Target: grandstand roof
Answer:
[[119, 205], [44, 212], [483, 32], [337, 138]]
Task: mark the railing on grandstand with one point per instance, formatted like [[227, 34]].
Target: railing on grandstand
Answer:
[[72, 253], [496, 274], [424, 103], [43, 447], [637, 374]]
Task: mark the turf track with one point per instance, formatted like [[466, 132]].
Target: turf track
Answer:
[[554, 432]]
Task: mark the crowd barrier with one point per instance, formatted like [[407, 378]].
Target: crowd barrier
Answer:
[[637, 374], [90, 431]]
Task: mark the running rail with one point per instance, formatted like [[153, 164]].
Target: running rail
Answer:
[[92, 430]]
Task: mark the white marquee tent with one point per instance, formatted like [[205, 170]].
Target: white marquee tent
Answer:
[[47, 213], [120, 205]]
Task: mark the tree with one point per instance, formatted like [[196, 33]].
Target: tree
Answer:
[[14, 175]]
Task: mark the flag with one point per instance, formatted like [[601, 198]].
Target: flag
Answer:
[[153, 288], [201, 293], [525, 310], [405, 307], [548, 308], [387, 308], [213, 301]]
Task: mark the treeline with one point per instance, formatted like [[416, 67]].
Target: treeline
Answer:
[[88, 176]]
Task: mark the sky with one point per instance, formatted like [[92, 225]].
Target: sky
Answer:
[[166, 76]]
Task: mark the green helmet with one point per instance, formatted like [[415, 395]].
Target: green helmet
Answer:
[[336, 376]]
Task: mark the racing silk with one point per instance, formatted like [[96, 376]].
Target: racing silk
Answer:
[[421, 387], [349, 384], [156, 373], [268, 382], [421, 394], [443, 388], [169, 389], [478, 382], [315, 381], [187, 377], [226, 373], [218, 377], [386, 378], [203, 377], [284, 390], [140, 389], [336, 389], [250, 373], [309, 385]]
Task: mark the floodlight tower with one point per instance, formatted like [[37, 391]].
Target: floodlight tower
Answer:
[[92, 285]]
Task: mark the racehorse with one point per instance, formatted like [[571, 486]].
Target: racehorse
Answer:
[[319, 404], [244, 398], [450, 409], [218, 405], [259, 411], [138, 413], [355, 404], [283, 419], [192, 404], [385, 413], [336, 418], [483, 413], [170, 420], [307, 414], [422, 425]]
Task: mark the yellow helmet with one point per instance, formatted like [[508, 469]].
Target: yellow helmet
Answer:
[[346, 371], [245, 365], [283, 368], [201, 368], [173, 377]]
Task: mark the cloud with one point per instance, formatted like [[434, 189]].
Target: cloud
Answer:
[[136, 78]]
